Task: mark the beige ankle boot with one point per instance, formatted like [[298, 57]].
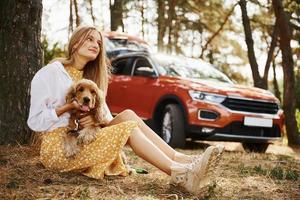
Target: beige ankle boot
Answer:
[[195, 176], [208, 162], [185, 176], [183, 158]]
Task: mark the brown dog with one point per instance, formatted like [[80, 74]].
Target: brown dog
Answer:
[[91, 100]]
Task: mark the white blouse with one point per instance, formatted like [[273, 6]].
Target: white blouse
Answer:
[[49, 87]]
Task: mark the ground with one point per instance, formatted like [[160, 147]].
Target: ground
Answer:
[[242, 175]]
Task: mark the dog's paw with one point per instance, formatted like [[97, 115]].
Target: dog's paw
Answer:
[[86, 136], [71, 151]]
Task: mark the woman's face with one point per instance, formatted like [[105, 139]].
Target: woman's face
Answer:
[[91, 46]]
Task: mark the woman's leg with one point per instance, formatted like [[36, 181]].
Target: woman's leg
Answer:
[[148, 132], [191, 176], [148, 151]]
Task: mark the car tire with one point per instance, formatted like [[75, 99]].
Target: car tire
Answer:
[[172, 126], [256, 147]]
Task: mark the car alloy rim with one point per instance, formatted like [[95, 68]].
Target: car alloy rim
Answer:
[[167, 127]]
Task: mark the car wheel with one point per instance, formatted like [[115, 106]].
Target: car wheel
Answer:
[[256, 147], [172, 126]]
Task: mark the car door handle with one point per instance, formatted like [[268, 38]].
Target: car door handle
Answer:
[[124, 86]]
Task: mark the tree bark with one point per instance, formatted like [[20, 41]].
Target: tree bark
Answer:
[[259, 81], [91, 11], [161, 24], [176, 36], [250, 43], [21, 57], [144, 20], [171, 17], [116, 15], [270, 56], [78, 20], [288, 73], [70, 30], [275, 82]]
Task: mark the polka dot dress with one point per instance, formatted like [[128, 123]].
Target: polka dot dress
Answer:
[[100, 157]]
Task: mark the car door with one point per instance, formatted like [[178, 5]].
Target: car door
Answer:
[[140, 90], [121, 75]]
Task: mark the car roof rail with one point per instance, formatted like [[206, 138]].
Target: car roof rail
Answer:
[[122, 51]]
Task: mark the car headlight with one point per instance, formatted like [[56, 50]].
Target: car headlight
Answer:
[[203, 96]]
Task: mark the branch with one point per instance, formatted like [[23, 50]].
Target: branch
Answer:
[[218, 31], [91, 11], [294, 18], [271, 50], [195, 9], [294, 26], [249, 42], [260, 4]]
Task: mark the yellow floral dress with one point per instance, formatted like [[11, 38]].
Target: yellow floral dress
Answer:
[[100, 157]]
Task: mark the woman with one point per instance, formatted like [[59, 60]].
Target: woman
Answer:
[[49, 114]]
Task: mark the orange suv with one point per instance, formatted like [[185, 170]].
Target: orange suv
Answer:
[[185, 98]]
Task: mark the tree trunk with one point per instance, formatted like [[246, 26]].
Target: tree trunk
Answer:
[[144, 20], [91, 11], [176, 31], [270, 56], [261, 82], [116, 15], [70, 30], [161, 24], [249, 41], [275, 82], [288, 73], [78, 20], [21, 57], [171, 16]]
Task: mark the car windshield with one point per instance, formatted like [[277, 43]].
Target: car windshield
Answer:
[[188, 68], [124, 43]]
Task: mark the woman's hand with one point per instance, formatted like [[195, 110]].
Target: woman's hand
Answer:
[[75, 105], [87, 121], [67, 107]]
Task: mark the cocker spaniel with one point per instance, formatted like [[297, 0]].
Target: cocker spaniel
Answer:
[[91, 100]]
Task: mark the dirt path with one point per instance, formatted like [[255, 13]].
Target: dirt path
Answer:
[[242, 175]]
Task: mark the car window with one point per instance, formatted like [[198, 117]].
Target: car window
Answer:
[[142, 64], [122, 66], [125, 43], [189, 68]]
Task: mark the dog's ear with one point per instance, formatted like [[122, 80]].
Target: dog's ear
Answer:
[[99, 105], [71, 93]]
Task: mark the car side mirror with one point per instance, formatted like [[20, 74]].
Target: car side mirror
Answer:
[[145, 71]]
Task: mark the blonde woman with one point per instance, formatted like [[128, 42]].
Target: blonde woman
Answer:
[[49, 113]]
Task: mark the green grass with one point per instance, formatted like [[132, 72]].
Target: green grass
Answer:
[[291, 175], [276, 172], [259, 170]]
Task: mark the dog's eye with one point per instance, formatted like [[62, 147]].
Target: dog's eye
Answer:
[[80, 90], [93, 92]]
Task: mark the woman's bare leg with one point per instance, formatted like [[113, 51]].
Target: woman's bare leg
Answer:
[[148, 132], [148, 151], [190, 176], [201, 169]]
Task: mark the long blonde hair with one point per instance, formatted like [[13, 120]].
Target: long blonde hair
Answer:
[[97, 70]]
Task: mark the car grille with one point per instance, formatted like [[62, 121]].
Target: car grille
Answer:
[[238, 128], [250, 105]]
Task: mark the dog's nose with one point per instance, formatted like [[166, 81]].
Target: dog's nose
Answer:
[[86, 99]]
